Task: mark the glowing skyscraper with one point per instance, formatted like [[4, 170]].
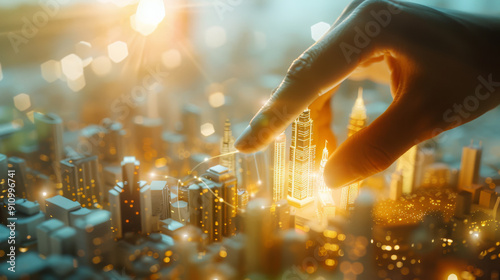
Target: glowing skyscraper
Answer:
[[358, 117], [357, 121], [322, 187], [279, 167], [469, 167], [302, 152], [227, 146], [407, 165], [326, 205]]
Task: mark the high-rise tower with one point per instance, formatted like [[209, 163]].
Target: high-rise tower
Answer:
[[470, 165], [279, 168], [302, 153], [357, 122], [227, 146], [322, 187]]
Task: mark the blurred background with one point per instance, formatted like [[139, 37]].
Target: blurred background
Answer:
[[90, 60]]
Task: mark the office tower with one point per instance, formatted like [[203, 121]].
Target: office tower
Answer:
[[191, 126], [348, 195], [358, 119], [408, 165], [59, 207], [147, 139], [160, 200], [23, 188], [487, 198], [357, 122], [205, 209], [229, 193], [179, 211], [258, 231], [326, 204], [49, 129], [253, 171], [436, 175], [496, 210], [281, 215], [81, 180], [242, 199], [463, 204], [105, 140], [470, 165], [396, 185], [3, 176], [94, 239], [321, 185], [227, 149], [302, 154], [43, 232], [174, 146], [130, 201], [28, 217], [279, 168], [358, 247]]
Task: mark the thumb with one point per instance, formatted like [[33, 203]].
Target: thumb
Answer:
[[376, 147]]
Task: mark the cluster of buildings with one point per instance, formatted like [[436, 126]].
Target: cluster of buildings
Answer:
[[170, 212]]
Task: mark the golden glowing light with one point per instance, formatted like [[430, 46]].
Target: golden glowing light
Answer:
[[207, 129], [149, 14], [216, 99], [22, 101], [452, 277]]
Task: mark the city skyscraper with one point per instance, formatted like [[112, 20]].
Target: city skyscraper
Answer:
[[227, 180], [130, 201], [326, 204], [357, 122], [279, 178], [322, 187], [49, 130], [227, 146], [302, 153], [81, 180], [407, 164], [358, 118], [469, 166]]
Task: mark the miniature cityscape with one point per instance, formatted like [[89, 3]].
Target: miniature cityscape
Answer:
[[172, 206]]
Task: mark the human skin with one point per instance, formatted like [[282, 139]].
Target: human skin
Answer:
[[443, 67]]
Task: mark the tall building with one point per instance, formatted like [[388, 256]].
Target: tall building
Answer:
[[357, 122], [226, 147], [148, 141], [302, 153], [23, 189], [326, 204], [470, 165], [81, 180], [227, 181], [94, 239], [396, 186], [130, 201], [191, 124], [358, 119], [322, 187], [49, 129], [3, 176], [408, 166], [279, 168]]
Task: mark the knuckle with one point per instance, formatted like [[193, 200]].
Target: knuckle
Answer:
[[301, 67], [379, 158]]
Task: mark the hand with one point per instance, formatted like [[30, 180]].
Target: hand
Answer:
[[444, 71]]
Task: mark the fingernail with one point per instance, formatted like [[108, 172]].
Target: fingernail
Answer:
[[242, 142]]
